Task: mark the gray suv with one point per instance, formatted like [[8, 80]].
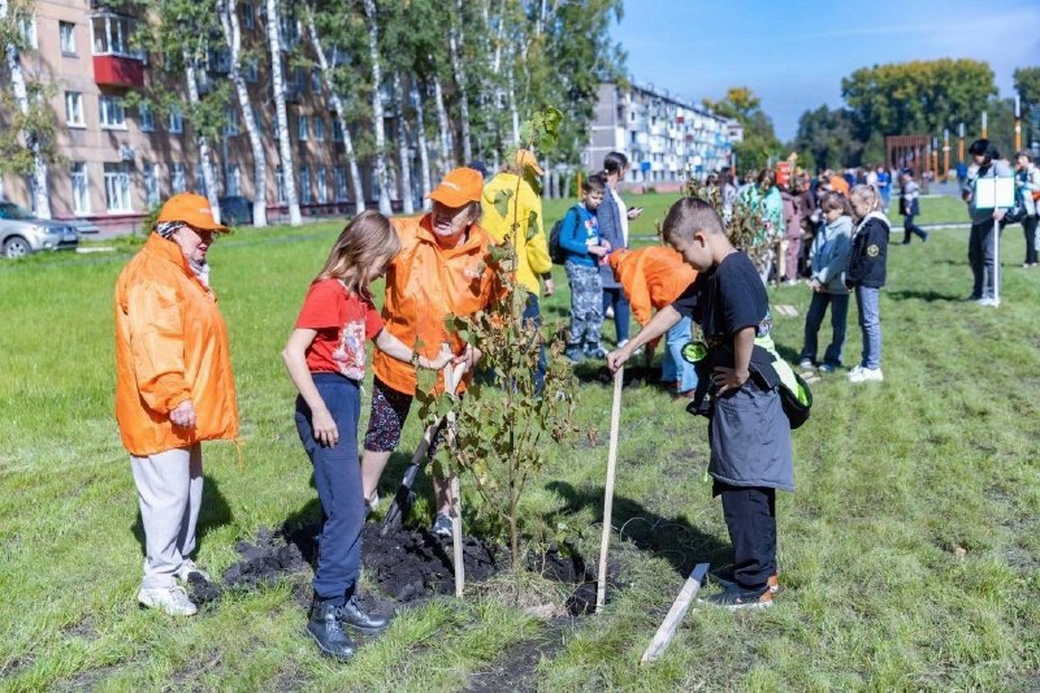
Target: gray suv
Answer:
[[21, 233]]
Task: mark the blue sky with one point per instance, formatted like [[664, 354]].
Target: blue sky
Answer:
[[793, 53]]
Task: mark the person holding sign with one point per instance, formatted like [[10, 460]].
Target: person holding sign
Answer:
[[984, 212]]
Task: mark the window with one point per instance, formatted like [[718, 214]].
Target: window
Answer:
[[27, 27], [248, 15], [230, 122], [279, 184], [340, 192], [323, 187], [337, 130], [176, 124], [178, 181], [315, 79], [299, 78], [319, 128], [258, 121], [113, 116], [145, 119], [112, 35], [67, 33], [151, 184], [301, 123], [305, 185], [233, 174], [117, 187], [200, 181], [74, 109], [250, 70], [80, 188]]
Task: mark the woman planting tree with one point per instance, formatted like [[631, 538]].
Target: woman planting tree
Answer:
[[174, 389], [325, 357], [442, 270]]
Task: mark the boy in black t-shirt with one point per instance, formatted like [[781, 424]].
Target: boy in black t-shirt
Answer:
[[749, 433]]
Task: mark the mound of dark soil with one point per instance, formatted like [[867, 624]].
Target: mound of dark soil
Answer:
[[568, 567]]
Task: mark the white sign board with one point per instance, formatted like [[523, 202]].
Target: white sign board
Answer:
[[995, 192]]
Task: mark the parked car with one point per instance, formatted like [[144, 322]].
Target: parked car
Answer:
[[22, 233], [236, 210]]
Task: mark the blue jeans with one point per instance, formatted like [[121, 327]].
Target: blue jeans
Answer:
[[616, 298], [337, 476], [839, 304], [533, 313], [674, 369], [868, 302]]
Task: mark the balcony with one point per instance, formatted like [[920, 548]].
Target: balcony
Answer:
[[118, 71]]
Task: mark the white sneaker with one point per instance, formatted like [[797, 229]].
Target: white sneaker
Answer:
[[173, 600], [806, 365], [187, 568], [866, 375], [986, 302]]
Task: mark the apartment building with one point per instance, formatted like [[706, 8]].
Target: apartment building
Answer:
[[665, 139], [118, 160]]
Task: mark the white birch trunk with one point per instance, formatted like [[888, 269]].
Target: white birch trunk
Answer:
[[377, 109], [456, 40], [40, 191], [407, 203], [228, 10], [514, 114], [205, 161], [278, 82], [447, 151], [341, 118], [424, 156]]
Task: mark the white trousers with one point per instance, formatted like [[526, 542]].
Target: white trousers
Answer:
[[169, 494]]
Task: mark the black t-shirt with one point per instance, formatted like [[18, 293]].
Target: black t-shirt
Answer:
[[726, 299]]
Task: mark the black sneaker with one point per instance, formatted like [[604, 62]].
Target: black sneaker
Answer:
[[441, 526], [324, 627], [352, 614], [725, 581], [736, 598]]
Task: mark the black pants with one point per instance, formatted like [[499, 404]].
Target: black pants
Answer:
[[1029, 225], [750, 514], [909, 227]]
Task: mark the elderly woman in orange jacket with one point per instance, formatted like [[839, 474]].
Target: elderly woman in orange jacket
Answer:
[[442, 270], [174, 389]]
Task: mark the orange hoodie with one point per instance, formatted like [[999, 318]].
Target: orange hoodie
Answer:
[[651, 278], [171, 346], [425, 284]]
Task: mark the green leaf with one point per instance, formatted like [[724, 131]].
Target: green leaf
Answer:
[[501, 202]]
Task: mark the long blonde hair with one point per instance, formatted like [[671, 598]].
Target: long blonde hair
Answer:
[[368, 240], [869, 196]]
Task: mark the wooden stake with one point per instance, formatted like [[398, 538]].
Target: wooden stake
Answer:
[[608, 492], [452, 377], [671, 622]]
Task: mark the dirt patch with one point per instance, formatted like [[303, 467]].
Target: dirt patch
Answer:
[[516, 670], [568, 567]]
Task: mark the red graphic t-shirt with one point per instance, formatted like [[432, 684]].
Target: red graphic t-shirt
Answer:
[[344, 321]]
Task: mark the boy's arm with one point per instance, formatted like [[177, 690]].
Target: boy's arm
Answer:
[[569, 237], [731, 378], [658, 325]]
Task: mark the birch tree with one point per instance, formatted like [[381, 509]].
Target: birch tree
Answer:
[[32, 124], [447, 151], [381, 172], [331, 82], [403, 148], [456, 38], [191, 61], [228, 13], [274, 43], [424, 156]]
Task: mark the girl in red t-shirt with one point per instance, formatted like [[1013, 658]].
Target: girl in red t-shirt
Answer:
[[325, 356]]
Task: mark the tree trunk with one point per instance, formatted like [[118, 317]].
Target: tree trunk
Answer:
[[278, 82], [514, 114], [40, 191], [456, 40], [447, 161], [341, 118], [201, 141], [377, 109], [405, 159], [424, 157], [228, 10]]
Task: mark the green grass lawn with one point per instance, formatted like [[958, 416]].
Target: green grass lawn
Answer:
[[909, 553]]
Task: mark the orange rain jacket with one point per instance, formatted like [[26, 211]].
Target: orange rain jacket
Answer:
[[425, 284], [171, 346], [651, 278]]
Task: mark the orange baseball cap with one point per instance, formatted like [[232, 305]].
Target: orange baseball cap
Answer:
[[459, 187], [193, 210], [526, 158]]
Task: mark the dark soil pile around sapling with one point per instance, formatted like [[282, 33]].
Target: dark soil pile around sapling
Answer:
[[568, 567]]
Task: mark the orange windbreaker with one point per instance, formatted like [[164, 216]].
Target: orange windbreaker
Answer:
[[425, 284], [651, 278], [171, 345]]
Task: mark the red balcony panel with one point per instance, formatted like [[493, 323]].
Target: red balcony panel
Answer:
[[117, 71]]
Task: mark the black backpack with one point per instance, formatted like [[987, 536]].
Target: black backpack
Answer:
[[556, 252]]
